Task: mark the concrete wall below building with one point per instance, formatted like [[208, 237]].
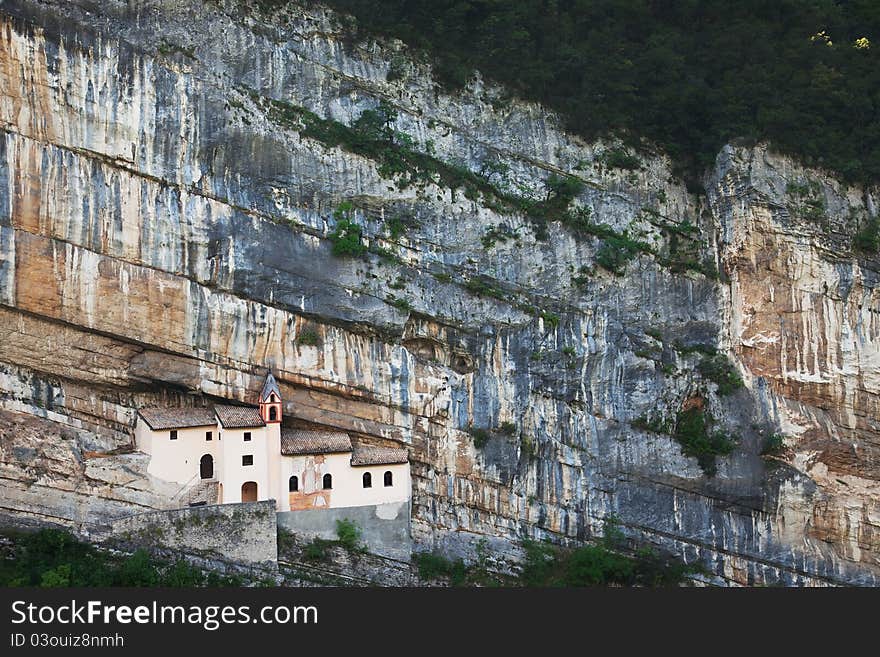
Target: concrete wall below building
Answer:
[[385, 527], [244, 533]]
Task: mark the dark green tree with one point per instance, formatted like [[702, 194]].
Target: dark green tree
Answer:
[[685, 75]]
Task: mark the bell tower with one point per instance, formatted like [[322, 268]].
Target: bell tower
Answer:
[[270, 411], [270, 401]]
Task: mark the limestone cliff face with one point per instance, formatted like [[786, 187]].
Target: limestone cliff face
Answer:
[[804, 325], [164, 239]]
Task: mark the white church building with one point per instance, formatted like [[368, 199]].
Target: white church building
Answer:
[[226, 454]]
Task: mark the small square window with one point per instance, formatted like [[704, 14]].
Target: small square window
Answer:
[[209, 435], [247, 459], [174, 434], [247, 436]]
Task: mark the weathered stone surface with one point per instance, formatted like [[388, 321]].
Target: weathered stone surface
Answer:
[[341, 566], [54, 472], [804, 323], [240, 533], [161, 238]]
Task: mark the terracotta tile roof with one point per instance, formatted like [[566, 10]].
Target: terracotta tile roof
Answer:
[[369, 455], [302, 441], [239, 417], [177, 418]]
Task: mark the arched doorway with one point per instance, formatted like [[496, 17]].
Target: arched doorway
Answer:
[[206, 467], [249, 491]]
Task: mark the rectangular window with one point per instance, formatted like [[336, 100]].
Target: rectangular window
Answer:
[[209, 435], [247, 436], [174, 434], [247, 459]]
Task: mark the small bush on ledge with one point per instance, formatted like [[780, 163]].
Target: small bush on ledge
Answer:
[[317, 549], [349, 535], [692, 432], [346, 236], [774, 445], [618, 158], [435, 566], [867, 239], [719, 369], [401, 303], [308, 337], [599, 565], [617, 250], [480, 436], [653, 423]]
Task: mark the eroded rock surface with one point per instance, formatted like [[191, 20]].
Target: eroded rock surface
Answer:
[[164, 238]]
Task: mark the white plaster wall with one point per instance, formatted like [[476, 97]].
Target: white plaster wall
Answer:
[[399, 491], [347, 488], [273, 450], [176, 460], [234, 474], [220, 466], [143, 437]]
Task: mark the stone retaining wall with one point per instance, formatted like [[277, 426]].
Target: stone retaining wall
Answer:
[[244, 532]]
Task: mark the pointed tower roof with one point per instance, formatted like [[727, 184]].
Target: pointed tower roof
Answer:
[[269, 387]]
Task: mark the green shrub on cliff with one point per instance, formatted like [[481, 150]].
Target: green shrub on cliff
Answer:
[[55, 558], [527, 446], [349, 535], [598, 565], [697, 439], [433, 566], [507, 428], [719, 369], [308, 337], [562, 190], [618, 158], [346, 236], [867, 239], [617, 250], [480, 436], [774, 444], [317, 549]]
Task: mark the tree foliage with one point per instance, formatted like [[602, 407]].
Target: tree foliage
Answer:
[[687, 75], [346, 236], [55, 558], [693, 431], [602, 564]]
